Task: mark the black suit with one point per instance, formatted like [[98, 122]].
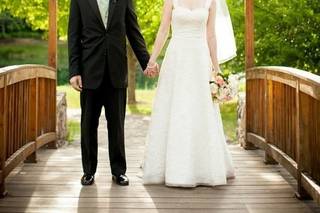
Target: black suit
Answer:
[[98, 54], [90, 42]]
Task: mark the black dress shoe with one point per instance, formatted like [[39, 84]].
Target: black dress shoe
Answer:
[[121, 180], [87, 180]]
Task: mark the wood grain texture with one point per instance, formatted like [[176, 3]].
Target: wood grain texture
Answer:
[[20, 75], [309, 83], [3, 111], [45, 73], [249, 33], [19, 110], [18, 156], [309, 136], [310, 88], [290, 119], [257, 140], [311, 187], [16, 68], [52, 185], [2, 82], [53, 34], [291, 72], [15, 74], [45, 139]]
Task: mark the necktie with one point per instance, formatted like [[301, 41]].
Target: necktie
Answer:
[[104, 10]]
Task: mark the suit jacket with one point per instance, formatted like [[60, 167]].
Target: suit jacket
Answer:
[[90, 44]]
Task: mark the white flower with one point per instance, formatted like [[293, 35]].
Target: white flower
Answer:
[[214, 88], [234, 84]]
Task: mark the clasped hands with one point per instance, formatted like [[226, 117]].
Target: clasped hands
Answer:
[[152, 70]]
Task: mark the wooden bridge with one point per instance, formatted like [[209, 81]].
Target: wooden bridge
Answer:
[[282, 119], [53, 184]]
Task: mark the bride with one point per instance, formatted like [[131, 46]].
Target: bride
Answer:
[[186, 146]]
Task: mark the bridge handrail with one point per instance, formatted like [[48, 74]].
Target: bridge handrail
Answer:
[[282, 117], [27, 114]]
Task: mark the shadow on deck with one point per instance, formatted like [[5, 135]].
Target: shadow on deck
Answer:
[[52, 185]]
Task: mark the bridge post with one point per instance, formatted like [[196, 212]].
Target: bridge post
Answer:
[[52, 49], [33, 122], [301, 193], [249, 51], [249, 34], [31, 158], [53, 34], [3, 129], [268, 159], [3, 191]]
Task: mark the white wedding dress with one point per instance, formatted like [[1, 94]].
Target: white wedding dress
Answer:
[[186, 145]]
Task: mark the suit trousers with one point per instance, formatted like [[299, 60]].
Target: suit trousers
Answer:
[[114, 102]]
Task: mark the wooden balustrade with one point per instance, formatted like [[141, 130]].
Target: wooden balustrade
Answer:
[[27, 114], [283, 118]]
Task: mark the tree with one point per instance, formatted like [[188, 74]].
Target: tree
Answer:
[[35, 13], [148, 13], [132, 65], [287, 31], [287, 34]]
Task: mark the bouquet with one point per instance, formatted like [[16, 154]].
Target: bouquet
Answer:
[[223, 88]]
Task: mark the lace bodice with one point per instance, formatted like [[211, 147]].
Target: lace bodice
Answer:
[[189, 23]]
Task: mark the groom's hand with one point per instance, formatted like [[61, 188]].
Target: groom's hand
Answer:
[[147, 72], [76, 82], [151, 73]]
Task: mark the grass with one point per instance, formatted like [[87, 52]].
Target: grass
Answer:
[[229, 118], [73, 131], [144, 107], [35, 52], [144, 98], [12, 54], [73, 96], [31, 51], [144, 103]]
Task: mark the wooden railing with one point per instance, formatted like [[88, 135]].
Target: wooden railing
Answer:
[[27, 114], [283, 118]]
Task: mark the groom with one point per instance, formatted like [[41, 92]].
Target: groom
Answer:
[[98, 69]]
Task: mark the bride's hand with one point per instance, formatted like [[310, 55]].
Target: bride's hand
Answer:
[[152, 69], [214, 74]]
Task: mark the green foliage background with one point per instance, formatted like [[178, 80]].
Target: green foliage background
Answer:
[[287, 31]]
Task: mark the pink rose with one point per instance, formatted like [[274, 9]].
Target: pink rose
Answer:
[[219, 80]]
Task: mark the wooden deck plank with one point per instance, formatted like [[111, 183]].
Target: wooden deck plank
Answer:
[[53, 185], [107, 210]]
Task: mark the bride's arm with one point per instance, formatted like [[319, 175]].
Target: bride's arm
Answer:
[[162, 32], [211, 36]]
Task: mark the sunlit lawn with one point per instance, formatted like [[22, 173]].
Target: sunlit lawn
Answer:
[[229, 118], [144, 107], [35, 52], [144, 98], [73, 130]]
